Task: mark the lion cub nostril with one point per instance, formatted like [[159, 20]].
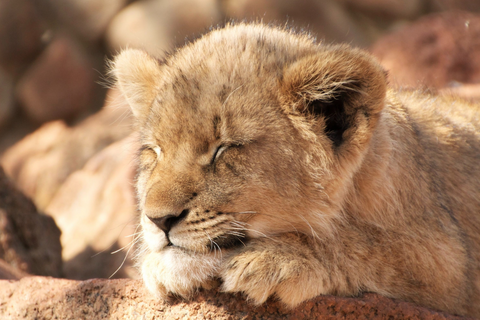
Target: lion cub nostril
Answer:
[[166, 223]]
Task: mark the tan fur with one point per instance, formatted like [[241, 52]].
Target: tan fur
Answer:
[[287, 168]]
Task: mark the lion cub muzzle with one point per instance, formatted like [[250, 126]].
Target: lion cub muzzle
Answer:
[[195, 230]]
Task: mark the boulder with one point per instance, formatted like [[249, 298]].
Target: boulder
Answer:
[[436, 51], [6, 98], [9, 272], [328, 20], [42, 161], [96, 211], [158, 26], [20, 35], [393, 9], [83, 177], [29, 241], [47, 298], [87, 18], [60, 84], [449, 5], [14, 129]]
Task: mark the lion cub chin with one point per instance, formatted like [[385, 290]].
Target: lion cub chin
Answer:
[[281, 166]]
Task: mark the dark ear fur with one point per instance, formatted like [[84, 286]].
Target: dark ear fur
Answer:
[[335, 118], [339, 86]]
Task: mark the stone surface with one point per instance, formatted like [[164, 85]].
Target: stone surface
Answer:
[[435, 51], [82, 178], [392, 9], [157, 26], [325, 19], [48, 298], [60, 84], [448, 5], [42, 161], [20, 34], [95, 209], [88, 18], [14, 130], [29, 241], [10, 273], [6, 98]]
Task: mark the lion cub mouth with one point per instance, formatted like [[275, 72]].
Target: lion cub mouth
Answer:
[[198, 232], [222, 242], [229, 241]]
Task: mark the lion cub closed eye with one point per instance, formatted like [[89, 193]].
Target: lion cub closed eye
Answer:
[[286, 167]]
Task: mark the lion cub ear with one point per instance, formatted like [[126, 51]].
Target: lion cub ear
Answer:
[[341, 87], [137, 76]]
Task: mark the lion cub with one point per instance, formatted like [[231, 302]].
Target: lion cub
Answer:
[[287, 167]]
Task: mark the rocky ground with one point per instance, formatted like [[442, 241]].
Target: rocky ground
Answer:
[[48, 298], [66, 141]]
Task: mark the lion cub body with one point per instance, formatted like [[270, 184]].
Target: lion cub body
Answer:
[[285, 167]]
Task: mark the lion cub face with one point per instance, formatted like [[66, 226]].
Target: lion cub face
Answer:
[[242, 135], [206, 166]]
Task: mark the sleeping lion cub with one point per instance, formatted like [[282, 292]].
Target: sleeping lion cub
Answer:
[[286, 167]]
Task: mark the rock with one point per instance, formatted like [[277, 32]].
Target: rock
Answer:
[[434, 51], [326, 19], [59, 85], [14, 130], [82, 178], [47, 298], [393, 9], [42, 161], [20, 35], [157, 26], [449, 5], [95, 209], [88, 18], [6, 98], [29, 241], [10, 273]]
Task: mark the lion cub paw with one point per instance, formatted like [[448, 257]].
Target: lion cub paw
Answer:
[[265, 267], [172, 272]]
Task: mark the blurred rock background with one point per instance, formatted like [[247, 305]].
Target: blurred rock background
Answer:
[[66, 139]]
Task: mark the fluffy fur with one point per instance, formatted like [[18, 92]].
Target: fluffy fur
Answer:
[[285, 167]]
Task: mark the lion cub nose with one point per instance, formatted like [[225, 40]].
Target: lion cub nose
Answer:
[[166, 222]]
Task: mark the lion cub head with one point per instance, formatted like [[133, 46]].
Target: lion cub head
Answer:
[[248, 132]]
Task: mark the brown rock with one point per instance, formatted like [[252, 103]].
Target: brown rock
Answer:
[[326, 19], [59, 85], [156, 26], [88, 18], [95, 209], [6, 98], [82, 178], [10, 273], [448, 5], [43, 160], [20, 34], [434, 51], [392, 9], [47, 298], [14, 130], [29, 241]]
